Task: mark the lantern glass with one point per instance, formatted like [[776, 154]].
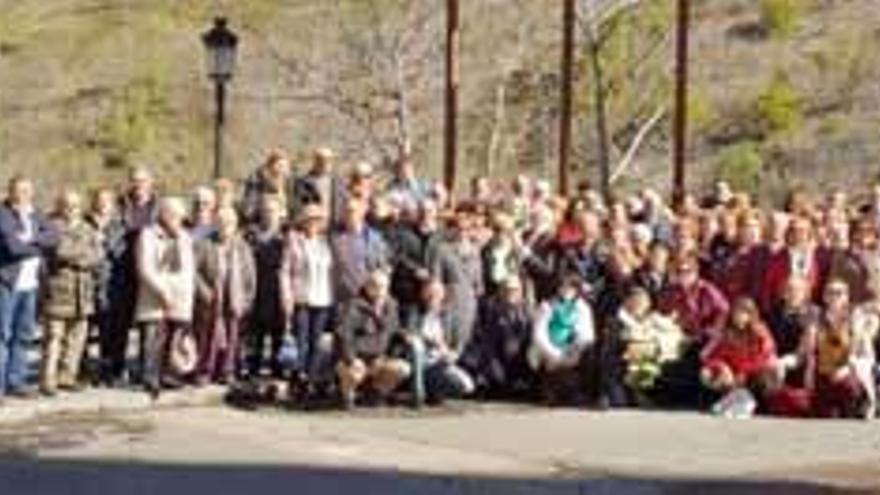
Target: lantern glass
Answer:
[[221, 46]]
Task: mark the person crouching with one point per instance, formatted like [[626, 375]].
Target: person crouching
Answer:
[[367, 324], [562, 337]]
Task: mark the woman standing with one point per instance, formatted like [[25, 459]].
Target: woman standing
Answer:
[[307, 288], [225, 288], [69, 297], [268, 318]]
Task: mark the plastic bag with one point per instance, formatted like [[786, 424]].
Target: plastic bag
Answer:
[[737, 404]]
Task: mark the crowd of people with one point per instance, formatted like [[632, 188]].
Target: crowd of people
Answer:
[[367, 291]]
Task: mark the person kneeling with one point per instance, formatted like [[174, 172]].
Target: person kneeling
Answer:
[[737, 359], [562, 336], [641, 346], [436, 344], [368, 323]]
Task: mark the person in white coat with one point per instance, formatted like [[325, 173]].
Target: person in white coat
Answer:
[[166, 288], [562, 340]]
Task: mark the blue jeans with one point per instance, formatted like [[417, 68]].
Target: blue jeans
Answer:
[[309, 324], [436, 380], [17, 317]]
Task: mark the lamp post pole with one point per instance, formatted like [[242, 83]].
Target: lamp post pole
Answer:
[[219, 122], [679, 150]]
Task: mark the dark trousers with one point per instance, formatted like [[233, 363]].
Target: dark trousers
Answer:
[[114, 326], [219, 355], [261, 330], [17, 323], [844, 398], [155, 340], [309, 324]]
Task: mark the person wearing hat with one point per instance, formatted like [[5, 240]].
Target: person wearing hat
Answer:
[[307, 290], [367, 325], [497, 354], [321, 186]]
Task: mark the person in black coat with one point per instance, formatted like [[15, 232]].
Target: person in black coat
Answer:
[[321, 186], [422, 253], [268, 318], [497, 354]]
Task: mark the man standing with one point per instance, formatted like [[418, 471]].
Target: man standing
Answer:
[[166, 288], [137, 209], [422, 254], [358, 250], [321, 186], [69, 298], [25, 236]]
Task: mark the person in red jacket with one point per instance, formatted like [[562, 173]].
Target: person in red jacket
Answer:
[[797, 258], [745, 273], [741, 353], [696, 304]]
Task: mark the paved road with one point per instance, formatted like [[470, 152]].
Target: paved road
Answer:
[[492, 449]]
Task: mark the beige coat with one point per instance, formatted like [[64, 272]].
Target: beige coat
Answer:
[[165, 273]]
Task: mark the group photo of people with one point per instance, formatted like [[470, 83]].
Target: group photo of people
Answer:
[[361, 287]]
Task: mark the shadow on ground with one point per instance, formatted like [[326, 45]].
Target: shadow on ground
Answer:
[[55, 477]]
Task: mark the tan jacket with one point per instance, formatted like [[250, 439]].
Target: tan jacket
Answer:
[[165, 270]]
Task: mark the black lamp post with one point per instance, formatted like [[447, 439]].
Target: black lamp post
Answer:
[[221, 46]]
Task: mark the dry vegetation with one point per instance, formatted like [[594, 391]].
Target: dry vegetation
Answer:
[[784, 91]]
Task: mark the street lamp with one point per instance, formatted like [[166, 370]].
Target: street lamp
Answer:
[[221, 47]]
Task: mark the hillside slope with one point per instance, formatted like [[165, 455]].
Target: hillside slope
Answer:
[[90, 87]]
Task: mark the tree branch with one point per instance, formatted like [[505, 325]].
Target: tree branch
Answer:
[[636, 143]]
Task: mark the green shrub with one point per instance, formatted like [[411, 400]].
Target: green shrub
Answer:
[[780, 106], [741, 165], [782, 17]]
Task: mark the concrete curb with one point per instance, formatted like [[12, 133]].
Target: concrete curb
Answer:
[[105, 401]]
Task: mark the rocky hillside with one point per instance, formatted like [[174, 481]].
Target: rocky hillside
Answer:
[[783, 90]]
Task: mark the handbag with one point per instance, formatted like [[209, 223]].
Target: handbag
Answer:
[[183, 353]]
